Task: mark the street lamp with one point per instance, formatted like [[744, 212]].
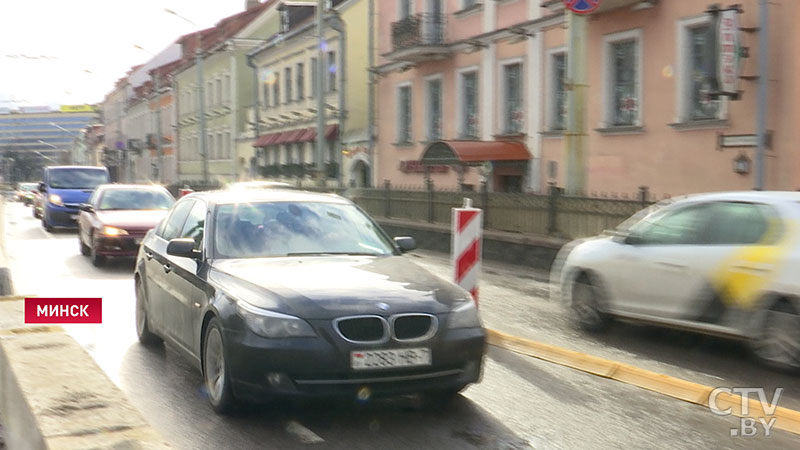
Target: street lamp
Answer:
[[159, 147], [202, 119]]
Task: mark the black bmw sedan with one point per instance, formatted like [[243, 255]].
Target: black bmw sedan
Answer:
[[290, 293]]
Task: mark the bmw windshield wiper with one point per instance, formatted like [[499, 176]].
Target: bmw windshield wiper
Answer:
[[334, 253]]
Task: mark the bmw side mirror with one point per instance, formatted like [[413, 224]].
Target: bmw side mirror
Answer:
[[42, 187], [405, 243], [86, 207], [183, 247], [633, 239]]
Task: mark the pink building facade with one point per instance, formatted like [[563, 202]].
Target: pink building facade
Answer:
[[495, 71]]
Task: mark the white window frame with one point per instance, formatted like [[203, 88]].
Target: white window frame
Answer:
[[398, 116], [427, 80], [683, 63], [500, 126], [460, 99], [637, 35], [550, 87]]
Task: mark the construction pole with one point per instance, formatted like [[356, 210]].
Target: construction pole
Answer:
[[575, 135], [201, 94], [763, 84], [159, 146], [321, 73]]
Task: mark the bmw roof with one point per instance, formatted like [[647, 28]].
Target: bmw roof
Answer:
[[266, 195]]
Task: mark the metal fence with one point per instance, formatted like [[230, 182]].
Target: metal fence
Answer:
[[555, 213]]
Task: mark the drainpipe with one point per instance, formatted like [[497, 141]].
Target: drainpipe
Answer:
[[337, 24], [371, 94], [256, 106], [763, 82]]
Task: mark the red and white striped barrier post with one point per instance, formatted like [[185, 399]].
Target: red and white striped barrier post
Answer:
[[466, 246]]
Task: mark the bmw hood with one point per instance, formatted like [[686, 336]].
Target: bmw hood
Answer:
[[330, 286]]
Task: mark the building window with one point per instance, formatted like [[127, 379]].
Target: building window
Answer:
[[301, 81], [276, 90], [266, 89], [558, 103], [405, 8], [219, 91], [701, 105], [468, 3], [287, 72], [434, 108], [226, 86], [209, 93], [210, 146], [623, 97], [469, 104], [314, 77], [228, 144], [331, 71], [512, 99], [404, 114]]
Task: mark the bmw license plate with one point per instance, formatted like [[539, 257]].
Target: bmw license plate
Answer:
[[380, 359]]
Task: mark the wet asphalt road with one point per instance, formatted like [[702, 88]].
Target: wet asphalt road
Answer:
[[522, 402]]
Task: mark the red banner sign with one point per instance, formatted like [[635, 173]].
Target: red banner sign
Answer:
[[63, 310]]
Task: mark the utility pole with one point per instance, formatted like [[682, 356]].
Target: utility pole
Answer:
[[201, 94], [575, 134], [763, 84], [159, 146], [321, 73]]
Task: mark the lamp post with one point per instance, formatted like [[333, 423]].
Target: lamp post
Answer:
[[198, 55]]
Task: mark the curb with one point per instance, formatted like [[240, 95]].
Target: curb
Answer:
[[54, 396], [6, 286], [786, 419]]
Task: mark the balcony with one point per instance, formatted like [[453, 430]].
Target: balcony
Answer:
[[419, 37]]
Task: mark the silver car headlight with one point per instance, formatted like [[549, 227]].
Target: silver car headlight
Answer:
[[464, 315], [271, 324]]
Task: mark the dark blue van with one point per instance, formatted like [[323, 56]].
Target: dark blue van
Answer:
[[64, 188]]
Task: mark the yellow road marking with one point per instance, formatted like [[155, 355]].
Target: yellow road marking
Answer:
[[37, 329], [786, 419]]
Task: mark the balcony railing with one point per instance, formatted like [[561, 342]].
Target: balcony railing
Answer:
[[419, 30]]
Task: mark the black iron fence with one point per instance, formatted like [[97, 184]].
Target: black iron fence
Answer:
[[555, 213], [419, 29]]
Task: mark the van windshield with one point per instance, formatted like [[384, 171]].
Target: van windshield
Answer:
[[77, 178]]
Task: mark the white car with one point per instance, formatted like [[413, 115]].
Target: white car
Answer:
[[720, 263]]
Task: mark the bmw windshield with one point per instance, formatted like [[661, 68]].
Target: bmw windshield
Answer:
[[254, 230]]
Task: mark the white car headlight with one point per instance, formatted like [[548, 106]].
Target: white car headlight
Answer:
[[271, 324], [55, 199], [464, 315]]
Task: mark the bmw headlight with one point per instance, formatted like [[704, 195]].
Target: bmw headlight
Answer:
[[464, 315], [271, 324], [55, 199]]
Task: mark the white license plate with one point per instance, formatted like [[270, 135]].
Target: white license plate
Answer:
[[380, 359], [73, 216]]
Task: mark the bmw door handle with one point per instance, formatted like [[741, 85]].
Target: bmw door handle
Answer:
[[167, 268], [148, 255]]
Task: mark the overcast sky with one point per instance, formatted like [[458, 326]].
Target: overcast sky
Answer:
[[71, 37]]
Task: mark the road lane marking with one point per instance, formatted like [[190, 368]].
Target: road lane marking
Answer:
[[302, 433], [786, 419]]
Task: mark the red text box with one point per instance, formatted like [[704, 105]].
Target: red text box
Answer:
[[63, 310]]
